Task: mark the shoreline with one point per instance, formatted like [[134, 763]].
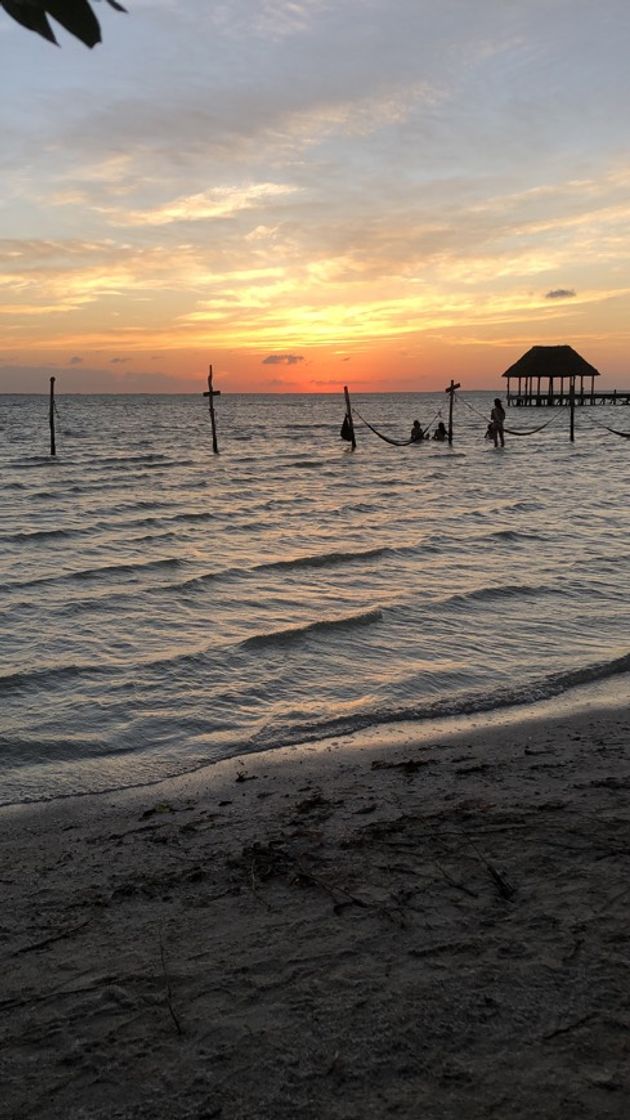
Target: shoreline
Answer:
[[436, 926], [596, 695]]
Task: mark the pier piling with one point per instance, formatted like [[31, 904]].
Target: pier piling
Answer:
[[51, 417], [210, 395], [349, 415], [451, 391]]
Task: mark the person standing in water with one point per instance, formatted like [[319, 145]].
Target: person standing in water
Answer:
[[417, 433], [497, 419]]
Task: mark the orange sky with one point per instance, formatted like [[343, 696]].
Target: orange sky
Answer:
[[241, 185]]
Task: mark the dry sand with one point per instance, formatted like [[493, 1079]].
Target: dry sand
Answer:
[[435, 930]]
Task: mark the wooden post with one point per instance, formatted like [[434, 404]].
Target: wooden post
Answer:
[[349, 415], [572, 409], [51, 417], [451, 391], [215, 446]]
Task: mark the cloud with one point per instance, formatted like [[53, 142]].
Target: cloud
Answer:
[[118, 361], [220, 202], [560, 293], [282, 360], [22, 378], [76, 361]]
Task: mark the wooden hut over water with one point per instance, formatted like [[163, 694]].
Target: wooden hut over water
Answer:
[[544, 375]]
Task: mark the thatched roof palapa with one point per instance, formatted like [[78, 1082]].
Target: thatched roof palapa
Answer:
[[551, 361]]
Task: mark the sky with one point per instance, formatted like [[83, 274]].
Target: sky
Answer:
[[311, 193]]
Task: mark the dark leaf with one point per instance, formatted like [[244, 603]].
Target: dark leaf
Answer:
[[30, 17], [77, 17]]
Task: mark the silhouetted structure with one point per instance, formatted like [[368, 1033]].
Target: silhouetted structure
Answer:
[[544, 375]]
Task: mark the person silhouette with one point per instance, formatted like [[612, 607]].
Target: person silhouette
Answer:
[[497, 419]]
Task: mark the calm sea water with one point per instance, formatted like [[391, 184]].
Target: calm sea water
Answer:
[[162, 607]]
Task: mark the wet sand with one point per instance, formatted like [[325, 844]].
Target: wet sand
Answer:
[[435, 928]]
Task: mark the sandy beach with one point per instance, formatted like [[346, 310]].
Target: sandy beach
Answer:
[[357, 930]]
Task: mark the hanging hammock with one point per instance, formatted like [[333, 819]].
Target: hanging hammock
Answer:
[[510, 431], [529, 431], [614, 431], [394, 442]]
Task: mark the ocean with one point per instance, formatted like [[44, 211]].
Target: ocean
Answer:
[[162, 608]]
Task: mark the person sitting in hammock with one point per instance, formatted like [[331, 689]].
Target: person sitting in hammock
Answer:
[[417, 433], [440, 433]]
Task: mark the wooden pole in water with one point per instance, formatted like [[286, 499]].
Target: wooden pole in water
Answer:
[[451, 391], [51, 417], [215, 446], [349, 415], [572, 409]]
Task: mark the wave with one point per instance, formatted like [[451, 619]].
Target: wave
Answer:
[[33, 678], [193, 515], [152, 457], [129, 568], [294, 633], [534, 691], [321, 560], [494, 594], [514, 535], [39, 534], [309, 427], [31, 464]]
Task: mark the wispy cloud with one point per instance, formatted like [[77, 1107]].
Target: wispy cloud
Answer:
[[218, 202], [282, 360]]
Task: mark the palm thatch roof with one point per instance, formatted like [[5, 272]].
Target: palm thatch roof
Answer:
[[551, 361]]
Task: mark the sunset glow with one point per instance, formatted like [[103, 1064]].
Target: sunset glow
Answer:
[[305, 194]]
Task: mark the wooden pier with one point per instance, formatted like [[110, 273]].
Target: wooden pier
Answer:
[[536, 399], [547, 376]]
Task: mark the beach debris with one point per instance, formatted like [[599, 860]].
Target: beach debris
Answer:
[[479, 768], [67, 932], [167, 985], [573, 1026], [504, 887], [448, 947], [161, 807], [275, 860], [456, 882], [243, 776], [409, 766], [310, 804]]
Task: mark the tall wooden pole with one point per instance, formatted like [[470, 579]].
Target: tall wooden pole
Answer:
[[451, 391], [349, 415], [572, 409], [215, 446], [51, 417]]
